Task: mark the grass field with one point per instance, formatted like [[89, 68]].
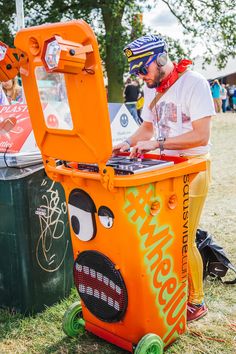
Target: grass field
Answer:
[[213, 334]]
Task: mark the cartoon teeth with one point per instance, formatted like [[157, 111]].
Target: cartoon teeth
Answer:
[[88, 290], [101, 286]]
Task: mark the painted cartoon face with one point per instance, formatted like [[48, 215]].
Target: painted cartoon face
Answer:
[[52, 121], [106, 217], [82, 215], [124, 120]]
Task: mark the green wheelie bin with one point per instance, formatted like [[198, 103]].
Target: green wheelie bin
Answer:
[[35, 248]]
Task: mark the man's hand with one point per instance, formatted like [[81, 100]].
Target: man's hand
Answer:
[[122, 147], [144, 132], [143, 146]]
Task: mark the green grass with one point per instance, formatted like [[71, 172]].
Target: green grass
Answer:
[[42, 333]]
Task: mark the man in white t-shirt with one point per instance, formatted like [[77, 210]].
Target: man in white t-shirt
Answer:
[[177, 112]]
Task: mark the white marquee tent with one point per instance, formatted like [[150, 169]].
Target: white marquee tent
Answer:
[[212, 72]]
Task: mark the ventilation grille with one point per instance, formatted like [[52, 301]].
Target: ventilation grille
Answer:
[[100, 286]]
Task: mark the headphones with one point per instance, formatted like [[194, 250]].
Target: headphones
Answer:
[[161, 60]]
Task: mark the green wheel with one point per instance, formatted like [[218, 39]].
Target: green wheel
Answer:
[[73, 322], [150, 344]]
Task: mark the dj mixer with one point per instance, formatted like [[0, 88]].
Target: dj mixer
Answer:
[[124, 165]]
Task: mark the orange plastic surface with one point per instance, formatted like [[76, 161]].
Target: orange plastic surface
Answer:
[[150, 252], [90, 138]]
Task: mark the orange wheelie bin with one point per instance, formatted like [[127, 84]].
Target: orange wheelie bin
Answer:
[[128, 217]]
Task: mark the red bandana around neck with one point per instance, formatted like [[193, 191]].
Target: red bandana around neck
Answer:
[[174, 75]]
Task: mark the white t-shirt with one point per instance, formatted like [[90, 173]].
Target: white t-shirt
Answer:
[[223, 93], [187, 100]]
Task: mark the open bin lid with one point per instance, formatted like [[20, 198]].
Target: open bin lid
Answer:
[[67, 104]]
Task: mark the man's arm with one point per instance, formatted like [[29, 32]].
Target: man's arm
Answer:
[[199, 136], [144, 132]]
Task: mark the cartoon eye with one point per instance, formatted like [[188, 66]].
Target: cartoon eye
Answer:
[[106, 217], [82, 215]]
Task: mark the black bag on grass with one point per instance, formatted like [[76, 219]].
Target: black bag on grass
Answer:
[[215, 261]]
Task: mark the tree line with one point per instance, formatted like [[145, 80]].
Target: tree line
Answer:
[[117, 22]]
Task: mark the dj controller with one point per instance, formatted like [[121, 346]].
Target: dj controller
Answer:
[[124, 165]]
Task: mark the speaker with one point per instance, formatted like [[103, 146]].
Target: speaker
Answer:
[[100, 286]]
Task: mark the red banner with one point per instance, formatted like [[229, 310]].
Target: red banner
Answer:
[[15, 127]]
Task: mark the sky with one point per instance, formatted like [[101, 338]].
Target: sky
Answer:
[[162, 20]]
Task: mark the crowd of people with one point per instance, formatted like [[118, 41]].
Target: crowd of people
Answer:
[[224, 96]]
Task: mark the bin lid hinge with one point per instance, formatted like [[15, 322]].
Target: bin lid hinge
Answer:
[[50, 165], [107, 176]]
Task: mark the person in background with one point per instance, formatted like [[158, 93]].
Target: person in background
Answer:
[[215, 90], [13, 91], [131, 95], [177, 112], [3, 99], [223, 96], [139, 106], [106, 88], [234, 100], [230, 92]]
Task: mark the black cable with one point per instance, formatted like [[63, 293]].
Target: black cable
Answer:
[[4, 156], [89, 71], [5, 160]]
